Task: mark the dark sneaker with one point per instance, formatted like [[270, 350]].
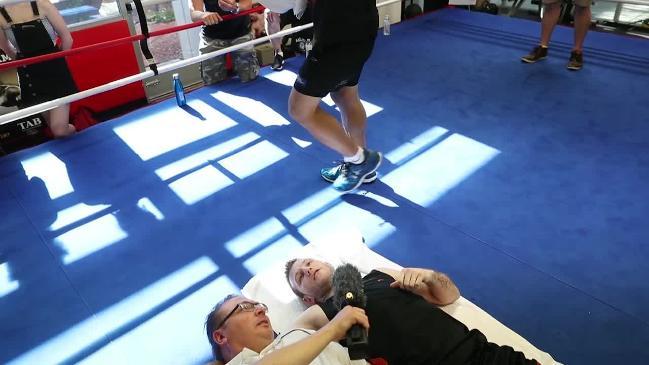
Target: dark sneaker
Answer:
[[576, 61], [537, 54], [352, 175], [278, 62], [330, 174]]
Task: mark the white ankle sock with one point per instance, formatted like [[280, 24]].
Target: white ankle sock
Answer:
[[358, 158], [280, 53]]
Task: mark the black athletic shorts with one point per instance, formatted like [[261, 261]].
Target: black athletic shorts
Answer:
[[334, 67]]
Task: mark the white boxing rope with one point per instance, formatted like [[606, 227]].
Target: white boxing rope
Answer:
[[387, 3], [34, 109], [633, 2], [9, 117], [11, 2]]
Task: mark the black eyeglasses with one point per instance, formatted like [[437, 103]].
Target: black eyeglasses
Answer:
[[245, 307]]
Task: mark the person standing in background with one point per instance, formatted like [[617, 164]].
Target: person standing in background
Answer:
[[30, 29]]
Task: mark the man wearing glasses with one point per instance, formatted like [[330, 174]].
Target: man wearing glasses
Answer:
[[240, 333]]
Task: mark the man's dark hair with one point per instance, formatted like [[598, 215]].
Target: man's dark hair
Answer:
[[210, 326], [287, 273]]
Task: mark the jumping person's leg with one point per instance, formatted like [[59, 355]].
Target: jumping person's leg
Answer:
[[323, 126], [354, 120], [319, 76], [352, 113]]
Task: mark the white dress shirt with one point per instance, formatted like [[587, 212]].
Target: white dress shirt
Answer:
[[333, 354]]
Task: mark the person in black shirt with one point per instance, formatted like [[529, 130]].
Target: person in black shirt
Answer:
[[29, 30], [406, 325], [218, 34], [344, 35]]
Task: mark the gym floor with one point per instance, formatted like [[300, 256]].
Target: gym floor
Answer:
[[527, 184]]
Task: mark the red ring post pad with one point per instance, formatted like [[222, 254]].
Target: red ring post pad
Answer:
[[115, 42]]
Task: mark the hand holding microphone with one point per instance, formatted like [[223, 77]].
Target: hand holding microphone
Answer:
[[345, 319], [348, 291]]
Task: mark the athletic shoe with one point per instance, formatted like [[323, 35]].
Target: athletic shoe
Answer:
[[352, 175], [278, 62], [576, 61], [537, 54], [331, 173]]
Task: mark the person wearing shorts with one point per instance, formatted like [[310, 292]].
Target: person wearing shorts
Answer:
[[552, 11], [344, 35]]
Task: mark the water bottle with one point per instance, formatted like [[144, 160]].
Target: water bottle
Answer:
[[386, 25], [179, 91], [308, 47]]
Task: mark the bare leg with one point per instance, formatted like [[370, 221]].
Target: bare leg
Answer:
[[322, 125], [582, 23], [59, 121], [352, 112], [272, 23], [551, 15]]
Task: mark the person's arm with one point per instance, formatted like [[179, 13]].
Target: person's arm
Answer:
[[6, 47], [257, 24], [437, 288], [313, 318], [197, 12], [58, 23], [306, 350], [299, 8]]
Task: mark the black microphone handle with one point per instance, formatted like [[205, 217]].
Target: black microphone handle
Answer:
[[357, 344]]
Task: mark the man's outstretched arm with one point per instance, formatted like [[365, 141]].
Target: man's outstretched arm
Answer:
[[306, 350]]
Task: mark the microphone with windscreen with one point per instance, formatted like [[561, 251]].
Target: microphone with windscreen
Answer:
[[348, 290]]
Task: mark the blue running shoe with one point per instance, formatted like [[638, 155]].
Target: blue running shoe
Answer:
[[351, 175], [331, 173]]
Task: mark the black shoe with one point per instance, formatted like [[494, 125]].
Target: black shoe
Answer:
[[278, 62], [576, 61], [537, 54]]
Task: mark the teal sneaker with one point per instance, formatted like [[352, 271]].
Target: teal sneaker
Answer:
[[351, 175], [331, 173]]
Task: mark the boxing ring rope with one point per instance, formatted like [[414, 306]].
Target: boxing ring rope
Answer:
[[115, 42], [34, 109], [11, 2]]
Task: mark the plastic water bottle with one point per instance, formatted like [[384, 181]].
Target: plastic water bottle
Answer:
[[386, 25], [308, 47], [179, 91]]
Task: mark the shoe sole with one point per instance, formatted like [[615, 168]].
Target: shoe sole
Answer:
[[573, 68], [277, 69], [360, 181], [532, 61], [366, 180]]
